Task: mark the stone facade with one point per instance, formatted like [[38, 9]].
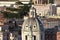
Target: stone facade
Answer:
[[50, 22], [44, 10]]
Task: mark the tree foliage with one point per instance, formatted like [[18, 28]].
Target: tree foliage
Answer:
[[21, 10]]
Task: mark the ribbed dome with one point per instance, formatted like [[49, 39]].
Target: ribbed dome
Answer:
[[32, 27], [33, 22]]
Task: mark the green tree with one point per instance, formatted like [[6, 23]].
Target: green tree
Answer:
[[18, 12], [51, 1]]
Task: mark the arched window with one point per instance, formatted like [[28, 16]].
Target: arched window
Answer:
[[34, 37], [26, 37]]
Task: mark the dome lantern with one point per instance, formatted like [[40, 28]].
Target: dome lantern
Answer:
[[32, 12]]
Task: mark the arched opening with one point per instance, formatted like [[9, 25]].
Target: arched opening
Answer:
[[26, 37], [34, 37]]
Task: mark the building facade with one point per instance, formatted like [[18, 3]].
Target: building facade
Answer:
[[44, 10], [50, 22], [50, 34]]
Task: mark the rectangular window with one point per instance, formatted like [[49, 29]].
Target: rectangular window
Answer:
[[26, 37]]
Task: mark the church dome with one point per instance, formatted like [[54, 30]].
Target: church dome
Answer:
[[32, 27], [32, 21], [35, 24]]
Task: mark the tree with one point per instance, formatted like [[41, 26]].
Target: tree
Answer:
[[51, 1], [18, 12]]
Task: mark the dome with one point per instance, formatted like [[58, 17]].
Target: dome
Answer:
[[32, 27], [35, 24], [32, 22]]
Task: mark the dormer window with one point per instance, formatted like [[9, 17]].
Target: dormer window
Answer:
[[26, 26], [34, 26]]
